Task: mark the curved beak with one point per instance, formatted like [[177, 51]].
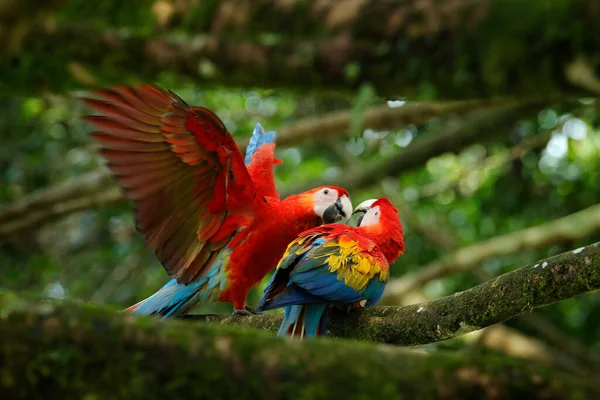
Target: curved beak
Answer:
[[363, 207], [340, 210]]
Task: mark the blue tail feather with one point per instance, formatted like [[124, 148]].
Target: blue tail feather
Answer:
[[304, 320], [176, 299], [259, 137], [290, 296], [172, 300]]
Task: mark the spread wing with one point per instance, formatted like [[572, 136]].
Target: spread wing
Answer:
[[322, 269], [182, 169], [260, 159]]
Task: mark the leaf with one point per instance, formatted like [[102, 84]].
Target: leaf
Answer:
[[364, 99]]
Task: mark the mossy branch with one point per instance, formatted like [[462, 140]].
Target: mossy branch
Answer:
[[68, 350], [545, 282], [575, 226]]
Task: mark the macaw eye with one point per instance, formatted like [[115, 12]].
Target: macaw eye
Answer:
[[376, 213], [326, 191]]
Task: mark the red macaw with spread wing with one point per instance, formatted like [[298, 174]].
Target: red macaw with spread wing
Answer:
[[217, 225]]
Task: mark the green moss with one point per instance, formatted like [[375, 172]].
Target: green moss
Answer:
[[59, 346], [75, 351]]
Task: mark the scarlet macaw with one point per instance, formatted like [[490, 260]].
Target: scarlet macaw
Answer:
[[335, 264], [217, 226]]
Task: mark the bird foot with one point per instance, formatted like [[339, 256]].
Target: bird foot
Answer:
[[246, 311]]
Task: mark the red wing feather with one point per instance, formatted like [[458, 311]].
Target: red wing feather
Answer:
[[181, 167]]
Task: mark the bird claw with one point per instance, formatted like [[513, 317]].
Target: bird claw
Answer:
[[246, 311]]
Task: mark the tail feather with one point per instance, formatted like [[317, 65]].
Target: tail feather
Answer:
[[305, 320], [177, 299], [172, 300], [259, 137]]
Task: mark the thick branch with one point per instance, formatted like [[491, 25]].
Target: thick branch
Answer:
[[395, 45], [71, 350], [547, 281], [572, 227]]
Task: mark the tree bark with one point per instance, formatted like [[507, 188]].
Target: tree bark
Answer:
[[69, 350], [417, 49]]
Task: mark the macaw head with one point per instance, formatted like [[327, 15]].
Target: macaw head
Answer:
[[381, 222], [331, 203]]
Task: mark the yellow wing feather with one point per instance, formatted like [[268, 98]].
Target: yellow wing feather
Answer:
[[353, 264]]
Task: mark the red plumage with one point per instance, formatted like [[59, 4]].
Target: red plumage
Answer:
[[201, 210]]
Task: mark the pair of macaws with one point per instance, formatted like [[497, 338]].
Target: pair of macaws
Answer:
[[216, 222]]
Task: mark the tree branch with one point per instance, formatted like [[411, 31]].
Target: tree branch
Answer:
[[478, 126], [57, 347], [336, 124], [89, 190], [547, 281], [571, 227]]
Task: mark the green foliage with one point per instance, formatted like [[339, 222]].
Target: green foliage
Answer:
[[364, 98]]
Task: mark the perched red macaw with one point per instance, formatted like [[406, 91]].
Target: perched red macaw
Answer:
[[335, 264], [217, 226]]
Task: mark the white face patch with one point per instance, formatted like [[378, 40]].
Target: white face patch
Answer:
[[323, 199], [371, 217], [327, 197]]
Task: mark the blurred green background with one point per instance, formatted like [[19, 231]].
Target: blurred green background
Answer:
[[498, 168]]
